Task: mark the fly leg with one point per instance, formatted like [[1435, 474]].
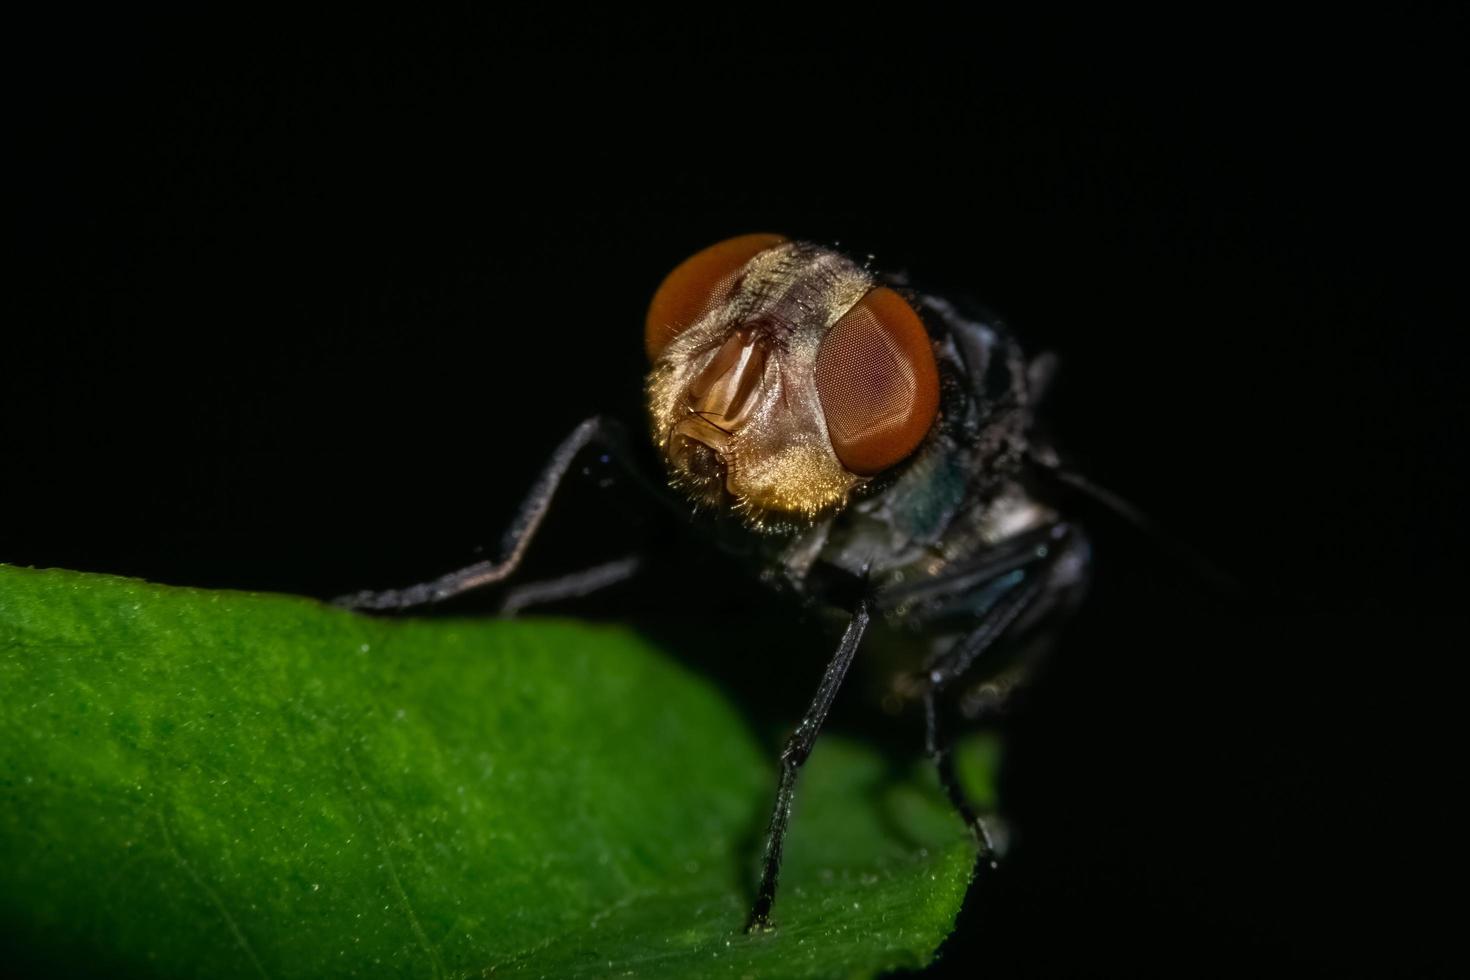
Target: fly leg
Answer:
[[571, 586], [939, 745], [1032, 590], [949, 667], [798, 747], [596, 431]]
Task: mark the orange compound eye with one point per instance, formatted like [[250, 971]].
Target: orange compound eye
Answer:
[[877, 382], [696, 284]]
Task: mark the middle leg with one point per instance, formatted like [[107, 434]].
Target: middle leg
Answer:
[[1033, 588]]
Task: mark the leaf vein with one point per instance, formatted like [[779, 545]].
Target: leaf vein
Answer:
[[212, 895], [382, 842]]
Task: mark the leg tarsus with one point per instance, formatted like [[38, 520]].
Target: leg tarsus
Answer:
[[940, 748], [765, 898], [570, 586]]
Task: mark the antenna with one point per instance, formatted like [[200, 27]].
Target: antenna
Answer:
[[1207, 570]]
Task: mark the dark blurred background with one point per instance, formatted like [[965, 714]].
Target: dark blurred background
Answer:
[[301, 306]]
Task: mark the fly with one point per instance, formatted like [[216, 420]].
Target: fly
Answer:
[[870, 448]]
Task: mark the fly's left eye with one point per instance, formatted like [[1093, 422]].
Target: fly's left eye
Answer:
[[696, 284], [877, 382]]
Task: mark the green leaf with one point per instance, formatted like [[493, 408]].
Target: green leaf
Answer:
[[219, 784]]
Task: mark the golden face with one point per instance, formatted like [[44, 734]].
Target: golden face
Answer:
[[783, 377]]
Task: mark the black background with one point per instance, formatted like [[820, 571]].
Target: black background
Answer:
[[302, 306]]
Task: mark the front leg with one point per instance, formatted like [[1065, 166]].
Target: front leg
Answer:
[[798, 747], [596, 431]]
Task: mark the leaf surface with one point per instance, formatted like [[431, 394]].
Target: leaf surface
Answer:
[[222, 784]]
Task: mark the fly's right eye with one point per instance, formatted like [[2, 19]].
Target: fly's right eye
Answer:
[[696, 284]]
